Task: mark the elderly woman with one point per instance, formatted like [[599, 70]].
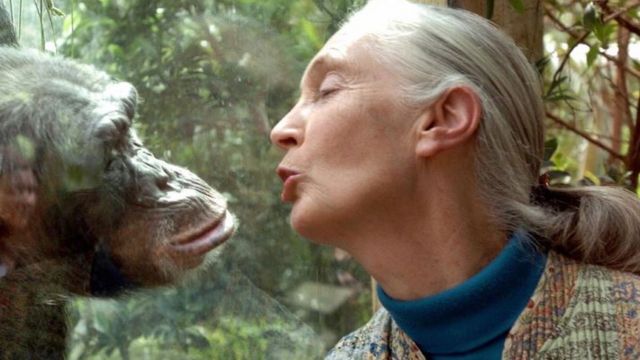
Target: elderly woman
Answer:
[[416, 146]]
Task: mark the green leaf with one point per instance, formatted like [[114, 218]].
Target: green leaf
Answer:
[[592, 55], [550, 147], [57, 12], [590, 177], [559, 96], [115, 50], [517, 5], [603, 32], [590, 17], [542, 63], [311, 33], [53, 10], [592, 21]]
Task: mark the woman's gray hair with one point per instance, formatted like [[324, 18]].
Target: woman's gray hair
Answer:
[[435, 48]]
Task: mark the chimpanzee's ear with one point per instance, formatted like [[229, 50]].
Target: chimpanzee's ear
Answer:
[[18, 185]]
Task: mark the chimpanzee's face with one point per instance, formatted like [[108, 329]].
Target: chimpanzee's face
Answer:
[[96, 183]]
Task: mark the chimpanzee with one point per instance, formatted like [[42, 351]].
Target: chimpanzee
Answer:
[[84, 207]]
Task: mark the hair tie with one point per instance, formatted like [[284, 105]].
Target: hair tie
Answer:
[[540, 192], [544, 180], [543, 195]]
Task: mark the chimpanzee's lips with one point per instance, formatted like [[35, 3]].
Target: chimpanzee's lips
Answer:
[[206, 239]]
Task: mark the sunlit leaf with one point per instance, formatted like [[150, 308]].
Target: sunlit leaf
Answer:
[[310, 31], [591, 177]]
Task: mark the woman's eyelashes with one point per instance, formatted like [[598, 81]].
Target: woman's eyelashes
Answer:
[[325, 93], [328, 87]]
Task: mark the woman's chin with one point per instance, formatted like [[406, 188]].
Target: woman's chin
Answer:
[[305, 223], [300, 220], [312, 225]]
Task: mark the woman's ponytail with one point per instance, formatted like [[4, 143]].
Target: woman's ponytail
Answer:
[[594, 224]]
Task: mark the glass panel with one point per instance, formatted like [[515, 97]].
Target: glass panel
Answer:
[[213, 77]]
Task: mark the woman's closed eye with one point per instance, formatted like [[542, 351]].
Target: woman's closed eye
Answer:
[[328, 87], [324, 93]]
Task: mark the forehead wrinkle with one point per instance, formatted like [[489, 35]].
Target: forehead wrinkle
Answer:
[[332, 59]]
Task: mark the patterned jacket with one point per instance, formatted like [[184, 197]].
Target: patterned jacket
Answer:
[[577, 311]]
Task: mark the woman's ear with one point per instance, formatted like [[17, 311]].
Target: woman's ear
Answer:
[[452, 120]]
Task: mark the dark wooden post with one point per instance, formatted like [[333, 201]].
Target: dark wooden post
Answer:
[[525, 27]]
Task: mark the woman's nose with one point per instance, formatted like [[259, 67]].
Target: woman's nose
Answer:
[[286, 134]]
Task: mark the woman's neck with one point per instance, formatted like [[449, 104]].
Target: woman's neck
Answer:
[[474, 317], [424, 250]]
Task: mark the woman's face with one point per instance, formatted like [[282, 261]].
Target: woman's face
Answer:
[[349, 143]]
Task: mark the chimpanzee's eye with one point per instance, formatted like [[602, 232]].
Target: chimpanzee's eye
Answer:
[[115, 164]]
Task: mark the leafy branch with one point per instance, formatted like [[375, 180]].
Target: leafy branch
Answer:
[[603, 21]]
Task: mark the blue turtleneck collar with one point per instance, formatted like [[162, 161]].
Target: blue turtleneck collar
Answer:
[[472, 319]]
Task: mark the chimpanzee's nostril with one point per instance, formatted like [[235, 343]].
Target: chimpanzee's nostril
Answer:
[[162, 182]]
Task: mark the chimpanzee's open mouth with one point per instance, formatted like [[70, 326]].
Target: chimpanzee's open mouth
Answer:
[[207, 239]]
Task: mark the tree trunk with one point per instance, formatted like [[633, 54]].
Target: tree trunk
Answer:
[[525, 28], [620, 114]]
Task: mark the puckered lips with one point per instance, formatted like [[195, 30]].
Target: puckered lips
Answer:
[[199, 241], [289, 178]]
